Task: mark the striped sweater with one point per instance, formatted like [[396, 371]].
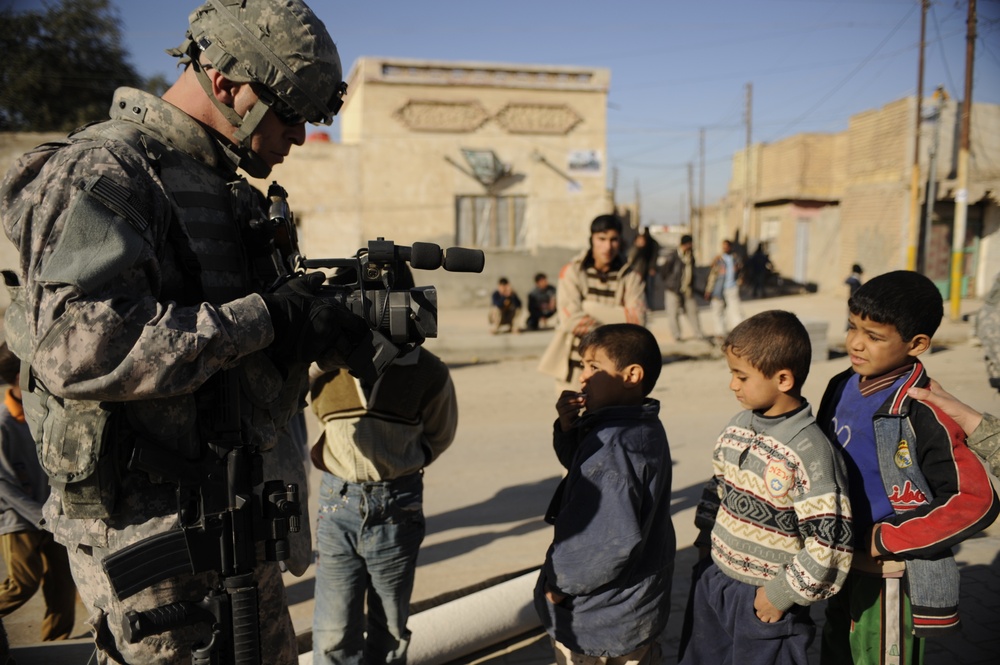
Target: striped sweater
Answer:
[[776, 508]]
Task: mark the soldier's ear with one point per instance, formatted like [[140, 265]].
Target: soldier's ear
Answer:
[[222, 88]]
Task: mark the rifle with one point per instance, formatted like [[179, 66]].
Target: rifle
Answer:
[[221, 520]]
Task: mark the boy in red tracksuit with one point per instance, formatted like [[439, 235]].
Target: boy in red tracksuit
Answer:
[[916, 489]]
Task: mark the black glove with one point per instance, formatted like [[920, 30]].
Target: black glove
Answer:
[[306, 326]]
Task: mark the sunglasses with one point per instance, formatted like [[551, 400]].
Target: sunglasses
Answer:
[[289, 116]]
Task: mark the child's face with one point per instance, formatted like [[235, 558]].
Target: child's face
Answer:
[[602, 383], [877, 348], [752, 389]]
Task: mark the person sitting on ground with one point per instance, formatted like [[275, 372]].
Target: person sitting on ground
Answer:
[[603, 593], [504, 307], [774, 520], [541, 303]]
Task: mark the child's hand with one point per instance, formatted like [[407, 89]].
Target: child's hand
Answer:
[[553, 596], [763, 608], [568, 406]]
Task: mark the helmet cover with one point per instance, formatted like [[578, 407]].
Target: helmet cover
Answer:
[[279, 44]]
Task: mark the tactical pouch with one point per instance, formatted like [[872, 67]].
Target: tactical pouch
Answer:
[[72, 438]]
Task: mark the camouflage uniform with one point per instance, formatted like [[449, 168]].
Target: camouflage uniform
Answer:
[[135, 292], [988, 331]]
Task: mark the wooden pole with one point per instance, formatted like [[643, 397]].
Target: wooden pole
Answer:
[[914, 229], [962, 195]]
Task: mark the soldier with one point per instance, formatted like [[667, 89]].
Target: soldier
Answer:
[[988, 331], [157, 360]]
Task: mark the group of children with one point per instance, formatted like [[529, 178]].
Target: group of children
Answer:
[[859, 506]]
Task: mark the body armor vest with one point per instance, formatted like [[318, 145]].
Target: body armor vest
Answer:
[[88, 447]]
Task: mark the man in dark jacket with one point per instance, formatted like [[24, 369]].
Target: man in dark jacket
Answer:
[[678, 281]]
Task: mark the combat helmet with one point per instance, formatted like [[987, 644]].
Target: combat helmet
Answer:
[[279, 45]]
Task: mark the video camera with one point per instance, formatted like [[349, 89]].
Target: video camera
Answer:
[[398, 313]]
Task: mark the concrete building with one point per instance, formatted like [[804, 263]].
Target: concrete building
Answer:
[[822, 202]]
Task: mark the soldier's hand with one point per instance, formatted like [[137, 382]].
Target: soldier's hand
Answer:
[[353, 345], [307, 326]]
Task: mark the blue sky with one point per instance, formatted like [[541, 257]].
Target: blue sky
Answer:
[[676, 67]]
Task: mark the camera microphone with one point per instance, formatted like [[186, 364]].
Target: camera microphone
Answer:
[[462, 259], [425, 256]]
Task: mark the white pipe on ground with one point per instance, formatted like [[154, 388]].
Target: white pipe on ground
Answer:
[[470, 624]]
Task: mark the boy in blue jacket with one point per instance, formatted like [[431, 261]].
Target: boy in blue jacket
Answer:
[[604, 589], [915, 487]]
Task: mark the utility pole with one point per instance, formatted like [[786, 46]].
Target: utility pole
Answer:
[[691, 223], [701, 185], [962, 195], [746, 167], [940, 97], [914, 234], [638, 206]]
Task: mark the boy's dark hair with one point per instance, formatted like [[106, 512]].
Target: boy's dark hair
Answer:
[[772, 341], [603, 223], [902, 298], [540, 275], [628, 344], [857, 268], [503, 280], [10, 365]]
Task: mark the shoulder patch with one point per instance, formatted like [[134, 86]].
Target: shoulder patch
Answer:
[[118, 199]]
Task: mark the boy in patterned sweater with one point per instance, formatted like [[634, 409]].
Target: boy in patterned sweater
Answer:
[[916, 488], [775, 516]]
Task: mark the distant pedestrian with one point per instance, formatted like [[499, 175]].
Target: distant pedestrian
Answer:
[[643, 257], [678, 283], [853, 283], [853, 280], [595, 288], [774, 520], [34, 560], [760, 269], [603, 593], [723, 289]]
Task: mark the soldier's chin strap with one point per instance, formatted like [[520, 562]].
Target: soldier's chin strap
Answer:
[[245, 157]]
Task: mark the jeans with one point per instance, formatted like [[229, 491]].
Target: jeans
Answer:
[[727, 310], [676, 303], [368, 536]]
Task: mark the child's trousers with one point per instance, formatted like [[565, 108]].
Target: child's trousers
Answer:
[[870, 623], [726, 630]]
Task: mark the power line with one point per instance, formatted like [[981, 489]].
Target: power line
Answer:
[[852, 74]]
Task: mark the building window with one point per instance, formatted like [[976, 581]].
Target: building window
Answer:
[[490, 222]]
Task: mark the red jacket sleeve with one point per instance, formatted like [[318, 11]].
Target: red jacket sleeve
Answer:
[[963, 501]]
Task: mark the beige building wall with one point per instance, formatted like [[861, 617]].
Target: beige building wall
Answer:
[[825, 201], [404, 126]]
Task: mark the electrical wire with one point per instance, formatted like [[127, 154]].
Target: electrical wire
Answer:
[[850, 76]]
